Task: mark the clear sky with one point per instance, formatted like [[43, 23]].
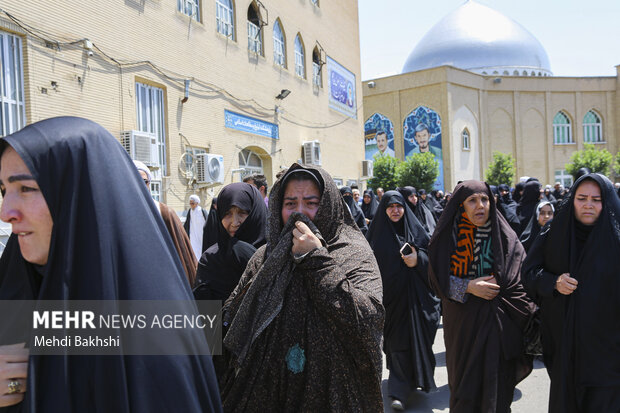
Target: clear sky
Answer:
[[581, 37]]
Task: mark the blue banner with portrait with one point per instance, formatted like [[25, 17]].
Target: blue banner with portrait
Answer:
[[247, 124], [422, 133], [378, 136], [341, 88]]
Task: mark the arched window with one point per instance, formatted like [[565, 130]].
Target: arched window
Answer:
[[524, 73], [279, 47], [506, 73], [562, 130], [255, 34], [316, 67], [300, 58], [224, 17], [250, 162], [592, 127], [465, 139], [515, 73]]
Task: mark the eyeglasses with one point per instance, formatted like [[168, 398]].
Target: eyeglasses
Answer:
[[146, 181]]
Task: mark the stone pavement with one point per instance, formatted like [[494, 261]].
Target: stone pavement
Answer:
[[531, 395]]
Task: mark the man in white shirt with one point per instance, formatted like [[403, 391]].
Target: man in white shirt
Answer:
[[194, 223]]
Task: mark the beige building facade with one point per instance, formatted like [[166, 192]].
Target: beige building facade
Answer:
[[175, 79], [481, 83], [509, 114]]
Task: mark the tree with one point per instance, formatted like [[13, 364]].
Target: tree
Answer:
[[384, 172], [419, 170], [501, 170], [617, 164], [597, 160]]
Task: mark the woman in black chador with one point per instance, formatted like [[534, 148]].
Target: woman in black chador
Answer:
[[475, 266], [527, 203], [419, 208], [210, 230], [88, 229], [573, 270], [412, 311], [369, 205], [241, 230]]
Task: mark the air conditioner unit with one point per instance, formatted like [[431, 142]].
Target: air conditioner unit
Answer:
[[367, 168], [141, 146], [209, 168], [312, 153]]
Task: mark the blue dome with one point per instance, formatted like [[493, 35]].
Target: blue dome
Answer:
[[477, 38]]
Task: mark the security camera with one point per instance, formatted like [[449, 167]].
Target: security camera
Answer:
[[89, 53]]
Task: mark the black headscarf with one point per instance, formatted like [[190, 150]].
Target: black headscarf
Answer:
[[211, 228], [222, 265], [579, 339], [108, 242], [527, 204], [412, 311], [431, 203], [479, 334], [508, 208], [370, 209], [420, 210], [516, 195], [354, 208]]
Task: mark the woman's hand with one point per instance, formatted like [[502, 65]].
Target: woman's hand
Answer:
[[565, 284], [304, 239], [411, 260], [483, 287], [13, 372]]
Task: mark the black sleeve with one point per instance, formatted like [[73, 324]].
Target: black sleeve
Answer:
[[538, 282]]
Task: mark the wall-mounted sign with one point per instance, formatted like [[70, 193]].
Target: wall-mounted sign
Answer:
[[341, 84], [247, 124]]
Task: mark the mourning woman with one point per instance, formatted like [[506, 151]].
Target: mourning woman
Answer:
[[211, 228], [544, 213], [419, 209], [354, 208], [527, 203], [369, 205], [475, 264], [412, 310], [241, 231], [306, 319], [87, 230], [573, 271], [508, 207]]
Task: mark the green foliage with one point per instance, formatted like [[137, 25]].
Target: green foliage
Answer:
[[598, 160], [617, 164], [501, 170], [419, 170], [384, 172]]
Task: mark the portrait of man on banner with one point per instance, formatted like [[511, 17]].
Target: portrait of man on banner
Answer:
[[422, 133], [379, 137]]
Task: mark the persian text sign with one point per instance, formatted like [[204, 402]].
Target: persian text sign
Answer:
[[247, 124], [341, 88]]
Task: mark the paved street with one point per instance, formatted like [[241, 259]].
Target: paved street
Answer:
[[531, 395]]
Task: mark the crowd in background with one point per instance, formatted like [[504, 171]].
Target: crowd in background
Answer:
[[315, 282]]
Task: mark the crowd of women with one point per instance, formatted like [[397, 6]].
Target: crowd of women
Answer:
[[314, 286]]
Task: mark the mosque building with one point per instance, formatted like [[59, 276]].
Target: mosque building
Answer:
[[479, 83]]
